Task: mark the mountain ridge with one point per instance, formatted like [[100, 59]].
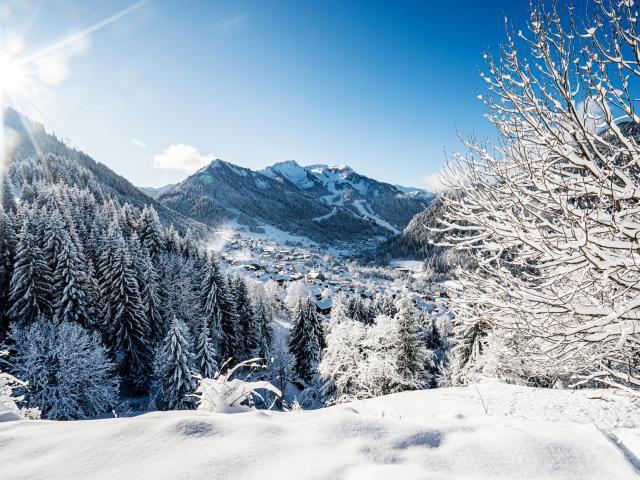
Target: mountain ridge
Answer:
[[325, 203]]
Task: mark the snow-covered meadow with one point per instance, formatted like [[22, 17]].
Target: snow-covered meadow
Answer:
[[488, 430]]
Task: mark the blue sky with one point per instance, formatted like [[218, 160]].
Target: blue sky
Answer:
[[380, 86]]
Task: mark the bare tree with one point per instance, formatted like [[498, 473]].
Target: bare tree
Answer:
[[551, 212]]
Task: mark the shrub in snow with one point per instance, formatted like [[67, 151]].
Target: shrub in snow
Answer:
[[343, 360], [9, 401], [361, 362], [225, 394], [67, 369]]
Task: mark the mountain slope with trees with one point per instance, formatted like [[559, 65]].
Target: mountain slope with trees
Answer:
[[325, 204]]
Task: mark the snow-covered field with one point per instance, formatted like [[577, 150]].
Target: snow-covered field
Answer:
[[491, 430]]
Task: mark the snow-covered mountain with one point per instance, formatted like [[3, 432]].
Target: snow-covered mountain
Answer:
[[325, 203], [222, 192], [155, 192], [416, 192], [339, 186]]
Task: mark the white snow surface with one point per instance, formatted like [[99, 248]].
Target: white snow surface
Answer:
[[413, 265], [447, 433], [291, 171], [366, 212]]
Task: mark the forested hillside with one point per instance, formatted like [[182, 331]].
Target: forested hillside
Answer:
[[36, 155]]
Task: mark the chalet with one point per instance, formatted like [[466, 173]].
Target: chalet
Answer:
[[323, 305]]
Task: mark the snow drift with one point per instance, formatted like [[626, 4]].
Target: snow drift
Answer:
[[487, 431]]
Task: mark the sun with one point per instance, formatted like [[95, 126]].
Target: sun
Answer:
[[13, 78]]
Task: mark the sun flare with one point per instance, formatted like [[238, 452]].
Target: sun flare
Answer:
[[13, 78]]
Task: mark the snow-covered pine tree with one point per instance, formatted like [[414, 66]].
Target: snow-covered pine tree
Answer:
[[125, 320], [71, 285], [339, 310], [436, 343], [189, 244], [386, 306], [67, 368], [263, 317], [128, 219], [205, 354], [149, 291], [411, 351], [54, 232], [31, 282], [469, 340], [175, 367], [151, 232], [8, 200], [358, 311], [307, 338], [8, 243], [218, 308], [315, 321], [247, 326], [172, 240], [370, 311]]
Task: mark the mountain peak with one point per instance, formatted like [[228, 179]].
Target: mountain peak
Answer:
[[217, 162]]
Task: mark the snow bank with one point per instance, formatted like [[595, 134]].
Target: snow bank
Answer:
[[491, 431]]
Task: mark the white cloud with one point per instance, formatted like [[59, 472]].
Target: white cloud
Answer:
[[231, 23], [182, 157], [138, 143], [591, 113], [434, 181]]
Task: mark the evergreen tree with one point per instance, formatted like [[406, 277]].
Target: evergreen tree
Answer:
[[205, 353], [125, 320], [189, 244], [172, 240], [386, 306], [263, 316], [71, 285], [358, 311], [412, 354], [307, 339], [30, 287], [469, 341], [128, 219], [339, 309], [149, 291], [218, 308], [8, 204], [150, 231], [248, 338], [8, 243], [54, 239], [174, 367]]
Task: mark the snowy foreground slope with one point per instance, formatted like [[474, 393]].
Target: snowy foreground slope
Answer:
[[527, 433]]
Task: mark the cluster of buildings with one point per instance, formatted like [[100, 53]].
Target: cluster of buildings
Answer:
[[326, 276]]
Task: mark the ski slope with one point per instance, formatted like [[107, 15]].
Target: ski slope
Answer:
[[487, 431]]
